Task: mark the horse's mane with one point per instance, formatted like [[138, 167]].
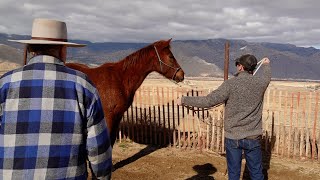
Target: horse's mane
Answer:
[[133, 59]]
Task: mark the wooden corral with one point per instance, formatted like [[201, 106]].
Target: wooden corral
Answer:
[[290, 122]]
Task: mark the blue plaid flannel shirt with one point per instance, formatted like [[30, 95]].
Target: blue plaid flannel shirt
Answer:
[[51, 123]]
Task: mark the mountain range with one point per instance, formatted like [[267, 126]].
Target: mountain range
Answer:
[[198, 58]]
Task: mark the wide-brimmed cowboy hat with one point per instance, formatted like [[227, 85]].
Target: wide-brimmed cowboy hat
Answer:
[[48, 31]]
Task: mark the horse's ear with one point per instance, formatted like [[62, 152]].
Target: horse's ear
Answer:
[[167, 43], [163, 43]]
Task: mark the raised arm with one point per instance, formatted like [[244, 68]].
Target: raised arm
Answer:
[[266, 77]]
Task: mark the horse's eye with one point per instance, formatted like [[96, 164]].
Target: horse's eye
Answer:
[[171, 57]]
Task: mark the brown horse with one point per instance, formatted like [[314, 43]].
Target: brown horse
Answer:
[[118, 82]]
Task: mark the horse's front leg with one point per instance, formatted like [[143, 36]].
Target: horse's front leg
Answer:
[[114, 129]]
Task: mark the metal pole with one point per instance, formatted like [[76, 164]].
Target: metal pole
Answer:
[[226, 60]]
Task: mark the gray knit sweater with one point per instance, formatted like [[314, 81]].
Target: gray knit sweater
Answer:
[[243, 96]]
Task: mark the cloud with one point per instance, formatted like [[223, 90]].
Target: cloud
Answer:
[[281, 21]]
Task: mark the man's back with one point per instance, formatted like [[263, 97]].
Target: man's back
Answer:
[[51, 121], [245, 103], [243, 96]]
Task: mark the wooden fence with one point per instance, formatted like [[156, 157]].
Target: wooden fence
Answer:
[[290, 122]]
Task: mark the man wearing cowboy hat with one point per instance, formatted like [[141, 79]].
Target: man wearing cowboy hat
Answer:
[[51, 117]]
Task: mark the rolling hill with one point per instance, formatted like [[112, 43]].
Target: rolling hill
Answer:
[[198, 58]]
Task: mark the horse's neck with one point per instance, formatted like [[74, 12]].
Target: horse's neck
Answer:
[[134, 71]]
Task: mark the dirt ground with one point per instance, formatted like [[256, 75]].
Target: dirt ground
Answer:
[[136, 161]]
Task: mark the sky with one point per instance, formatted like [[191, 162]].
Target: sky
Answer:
[[278, 21]]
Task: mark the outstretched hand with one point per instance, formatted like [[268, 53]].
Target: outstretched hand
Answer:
[[265, 60]]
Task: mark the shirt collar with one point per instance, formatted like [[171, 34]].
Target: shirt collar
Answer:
[[243, 73], [45, 59]]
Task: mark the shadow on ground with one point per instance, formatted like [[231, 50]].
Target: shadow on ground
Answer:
[[144, 152], [204, 171]]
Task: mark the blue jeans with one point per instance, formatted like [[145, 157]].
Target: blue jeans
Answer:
[[252, 152]]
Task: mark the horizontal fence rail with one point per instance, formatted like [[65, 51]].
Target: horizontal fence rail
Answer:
[[290, 122]]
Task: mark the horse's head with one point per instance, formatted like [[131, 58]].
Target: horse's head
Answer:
[[166, 64]]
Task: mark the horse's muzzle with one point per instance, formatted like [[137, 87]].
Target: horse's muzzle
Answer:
[[179, 77]]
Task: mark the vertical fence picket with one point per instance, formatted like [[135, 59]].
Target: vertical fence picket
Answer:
[[207, 137], [137, 129], [272, 116], [314, 151], [184, 124], [178, 119], [132, 124], [303, 127], [290, 128], [163, 117], [150, 117], [145, 117], [218, 131], [155, 134], [168, 117], [284, 124], [128, 123], [173, 116], [159, 116], [222, 129], [199, 137], [316, 118], [266, 120], [213, 132], [296, 128], [308, 146], [140, 118], [279, 123], [193, 124]]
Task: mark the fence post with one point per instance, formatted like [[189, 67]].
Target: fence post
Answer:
[[279, 123], [308, 125], [314, 127], [296, 128], [302, 144]]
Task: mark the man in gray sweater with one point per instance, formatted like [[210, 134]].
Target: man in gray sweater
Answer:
[[243, 98]]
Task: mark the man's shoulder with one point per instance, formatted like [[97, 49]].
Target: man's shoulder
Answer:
[[230, 80], [18, 69], [82, 79], [8, 74], [75, 72], [78, 73]]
